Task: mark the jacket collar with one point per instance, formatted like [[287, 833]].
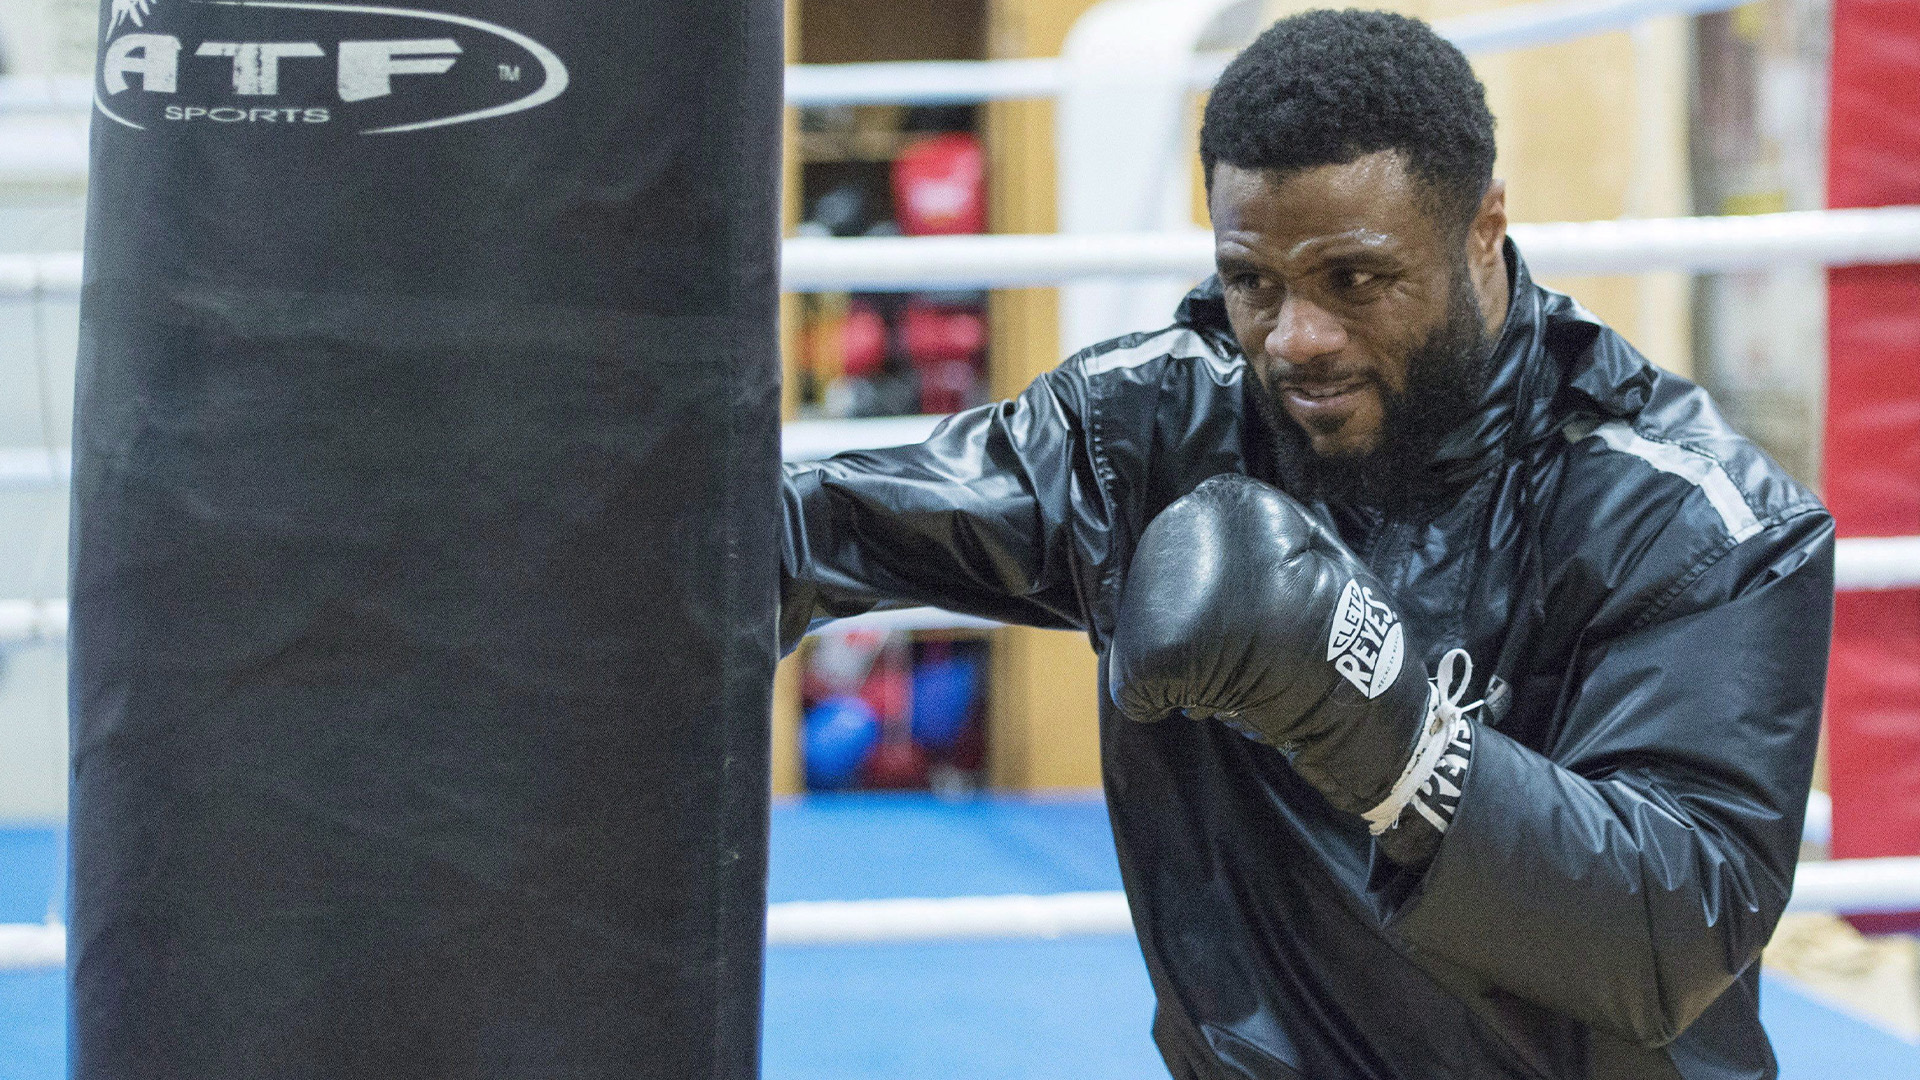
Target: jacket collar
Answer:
[[1549, 349]]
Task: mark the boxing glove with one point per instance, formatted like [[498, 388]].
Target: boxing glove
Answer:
[[1241, 606]]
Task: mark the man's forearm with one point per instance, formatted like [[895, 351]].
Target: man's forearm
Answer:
[[1603, 901]]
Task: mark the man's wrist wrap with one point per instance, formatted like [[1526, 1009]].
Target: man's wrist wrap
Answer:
[[1431, 781]]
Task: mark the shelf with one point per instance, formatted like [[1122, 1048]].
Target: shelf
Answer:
[[872, 146]]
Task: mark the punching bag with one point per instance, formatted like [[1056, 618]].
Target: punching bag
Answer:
[[424, 540]]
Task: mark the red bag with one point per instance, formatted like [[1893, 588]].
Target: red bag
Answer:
[[940, 186]]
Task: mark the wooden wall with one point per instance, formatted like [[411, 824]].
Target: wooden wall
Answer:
[[1046, 732]]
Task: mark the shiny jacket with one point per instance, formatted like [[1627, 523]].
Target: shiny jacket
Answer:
[[1647, 599]]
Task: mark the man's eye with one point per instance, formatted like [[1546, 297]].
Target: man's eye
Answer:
[[1354, 279], [1249, 280]]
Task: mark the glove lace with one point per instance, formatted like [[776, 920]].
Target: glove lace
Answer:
[[1444, 711]]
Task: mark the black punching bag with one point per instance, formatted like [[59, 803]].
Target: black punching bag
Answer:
[[424, 540]]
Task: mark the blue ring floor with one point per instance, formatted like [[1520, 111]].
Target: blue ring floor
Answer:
[[1069, 1009]]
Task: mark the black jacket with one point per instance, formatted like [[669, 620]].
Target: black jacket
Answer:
[[1647, 599]]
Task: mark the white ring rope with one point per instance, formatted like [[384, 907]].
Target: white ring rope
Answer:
[[942, 82], [20, 94], [34, 468], [1886, 885], [1860, 564], [1878, 235], [1863, 563], [27, 621], [1874, 236], [1846, 886], [947, 82], [1526, 26], [857, 922], [811, 440], [1018, 260], [1817, 827], [1872, 563], [938, 82], [952, 82], [32, 946], [27, 276]]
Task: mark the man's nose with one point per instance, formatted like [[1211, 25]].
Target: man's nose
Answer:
[[1304, 332]]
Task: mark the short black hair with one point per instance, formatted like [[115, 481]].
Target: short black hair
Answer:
[[1330, 87]]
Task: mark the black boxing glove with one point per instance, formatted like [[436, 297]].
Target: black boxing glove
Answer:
[[1243, 607]]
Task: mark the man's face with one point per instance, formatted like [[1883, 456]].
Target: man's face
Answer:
[[1359, 313]]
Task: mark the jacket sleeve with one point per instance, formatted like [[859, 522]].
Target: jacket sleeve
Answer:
[[1627, 879], [980, 519]]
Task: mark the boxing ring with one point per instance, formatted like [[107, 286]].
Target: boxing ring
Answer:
[[1047, 920], [924, 904]]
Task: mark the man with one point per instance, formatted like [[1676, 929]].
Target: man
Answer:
[[1373, 450]]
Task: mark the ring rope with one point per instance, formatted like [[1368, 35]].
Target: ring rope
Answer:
[[959, 82], [1843, 886], [1861, 564], [942, 82], [1855, 237]]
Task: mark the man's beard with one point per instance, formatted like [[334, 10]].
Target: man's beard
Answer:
[[1447, 377]]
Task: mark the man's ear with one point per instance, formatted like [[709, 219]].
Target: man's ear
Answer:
[[1487, 254], [1486, 237]]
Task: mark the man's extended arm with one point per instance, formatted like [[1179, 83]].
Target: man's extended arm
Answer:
[[979, 519], [1629, 875]]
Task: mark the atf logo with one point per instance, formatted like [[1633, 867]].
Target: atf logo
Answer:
[[277, 64], [1366, 643]]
